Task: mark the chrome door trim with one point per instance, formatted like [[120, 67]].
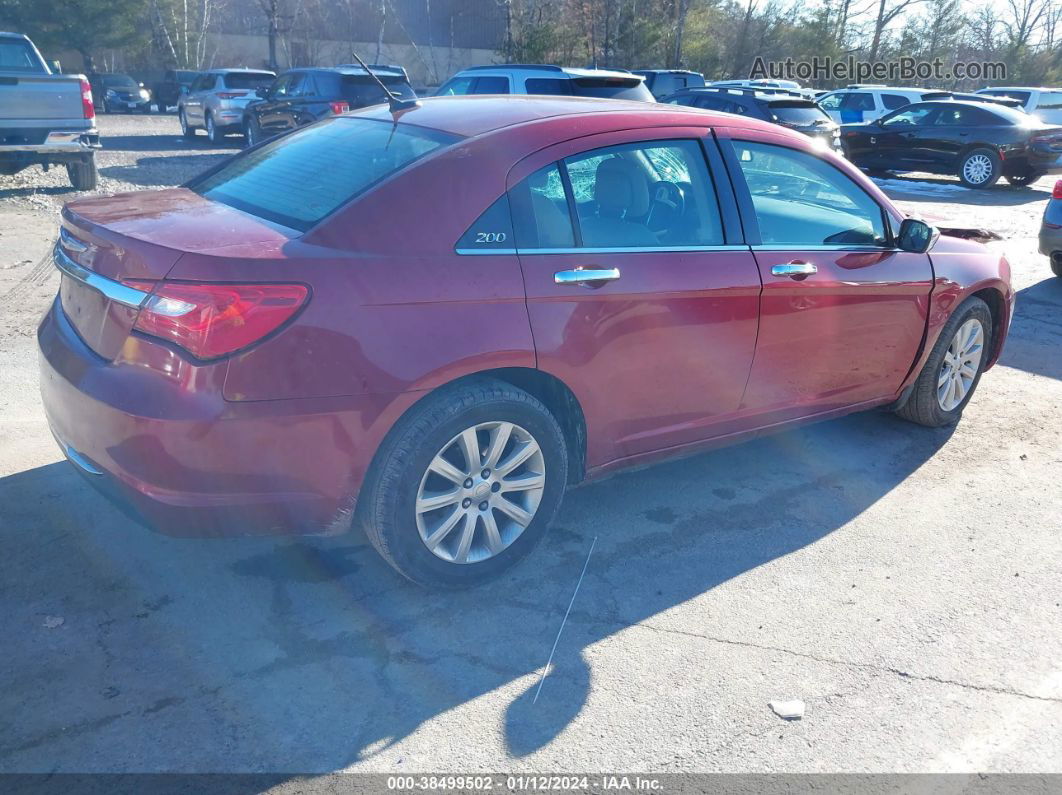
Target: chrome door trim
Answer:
[[600, 250], [108, 288], [794, 269], [836, 247]]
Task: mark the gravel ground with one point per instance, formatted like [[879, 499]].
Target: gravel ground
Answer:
[[903, 582]]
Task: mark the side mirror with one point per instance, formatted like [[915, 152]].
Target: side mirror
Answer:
[[916, 236], [56, 67], [184, 89]]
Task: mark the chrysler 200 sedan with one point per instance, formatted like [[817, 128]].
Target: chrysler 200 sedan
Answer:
[[430, 324]]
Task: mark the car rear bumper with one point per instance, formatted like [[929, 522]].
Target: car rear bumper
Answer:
[[188, 462], [57, 142], [1050, 241]]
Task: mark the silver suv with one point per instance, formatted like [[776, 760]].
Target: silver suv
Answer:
[[216, 99], [543, 79]]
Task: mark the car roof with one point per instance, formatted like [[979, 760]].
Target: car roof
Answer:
[[889, 89], [664, 72], [233, 70], [14, 35], [570, 71], [354, 71], [473, 115]]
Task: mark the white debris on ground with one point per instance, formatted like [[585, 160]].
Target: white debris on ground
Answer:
[[53, 622], [789, 710], [943, 189]]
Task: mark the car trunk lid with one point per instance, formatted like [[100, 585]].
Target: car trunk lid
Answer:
[[109, 247]]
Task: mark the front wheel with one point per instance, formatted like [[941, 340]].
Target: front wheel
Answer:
[[213, 135], [980, 168], [953, 369], [187, 130], [465, 485], [1056, 263]]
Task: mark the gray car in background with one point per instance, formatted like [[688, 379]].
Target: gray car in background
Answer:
[[216, 99]]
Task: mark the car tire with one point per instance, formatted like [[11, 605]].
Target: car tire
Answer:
[[1056, 263], [925, 405], [980, 168], [1026, 178], [405, 470], [250, 137], [186, 129], [83, 174], [212, 132]]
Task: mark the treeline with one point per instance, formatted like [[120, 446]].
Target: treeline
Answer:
[[722, 38]]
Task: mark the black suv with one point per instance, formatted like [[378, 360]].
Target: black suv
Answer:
[[776, 105], [663, 82], [976, 141], [301, 96]]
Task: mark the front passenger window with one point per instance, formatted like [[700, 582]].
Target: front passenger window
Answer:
[[801, 200]]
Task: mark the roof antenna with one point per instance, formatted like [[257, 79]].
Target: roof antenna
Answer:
[[395, 102]]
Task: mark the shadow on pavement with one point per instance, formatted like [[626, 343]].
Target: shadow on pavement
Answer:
[[311, 654], [1035, 340]]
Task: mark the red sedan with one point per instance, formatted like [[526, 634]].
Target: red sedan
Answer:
[[431, 324]]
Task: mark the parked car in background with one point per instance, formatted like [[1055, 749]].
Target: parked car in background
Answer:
[[791, 85], [546, 79], [168, 90], [1051, 230], [216, 100], [435, 321], [777, 106], [301, 96], [45, 119], [1044, 103], [662, 82], [862, 103], [978, 142], [117, 92]]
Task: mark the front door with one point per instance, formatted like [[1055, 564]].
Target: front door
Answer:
[[843, 311], [641, 297]]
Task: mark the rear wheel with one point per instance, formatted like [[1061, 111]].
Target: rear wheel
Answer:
[[213, 134], [187, 130], [83, 174], [980, 168], [465, 485], [1056, 263], [953, 369], [249, 135], [1025, 178]]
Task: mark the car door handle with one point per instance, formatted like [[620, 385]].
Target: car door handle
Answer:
[[587, 277], [794, 270]]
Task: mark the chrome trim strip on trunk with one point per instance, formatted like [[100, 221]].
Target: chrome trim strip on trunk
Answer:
[[108, 288]]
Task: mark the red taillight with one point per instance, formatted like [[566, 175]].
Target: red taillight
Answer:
[[87, 108], [213, 320], [231, 94], [340, 107], [1057, 192]]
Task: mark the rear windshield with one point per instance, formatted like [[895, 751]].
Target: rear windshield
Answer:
[[362, 90], [1021, 96], [300, 178], [609, 87], [16, 55], [797, 112], [249, 79]]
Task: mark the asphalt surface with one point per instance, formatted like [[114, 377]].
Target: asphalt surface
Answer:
[[903, 582]]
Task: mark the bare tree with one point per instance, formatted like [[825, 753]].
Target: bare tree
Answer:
[[888, 11]]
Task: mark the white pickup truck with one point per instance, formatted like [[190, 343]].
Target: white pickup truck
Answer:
[[45, 119]]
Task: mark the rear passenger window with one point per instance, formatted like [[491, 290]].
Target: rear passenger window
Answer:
[[492, 230], [649, 195], [540, 211], [801, 200], [894, 101], [491, 85]]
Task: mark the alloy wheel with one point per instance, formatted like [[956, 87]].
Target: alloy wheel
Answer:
[[480, 492], [961, 363], [212, 133], [977, 169]]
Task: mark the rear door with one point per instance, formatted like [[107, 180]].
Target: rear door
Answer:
[[640, 292], [843, 311]]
